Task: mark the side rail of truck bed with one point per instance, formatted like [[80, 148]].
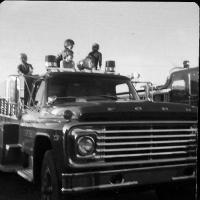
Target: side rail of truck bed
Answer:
[[8, 108]]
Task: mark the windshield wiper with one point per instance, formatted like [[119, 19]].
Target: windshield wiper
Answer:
[[108, 96], [55, 99]]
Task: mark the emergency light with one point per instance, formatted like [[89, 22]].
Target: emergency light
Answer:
[[186, 64], [50, 61], [110, 66]]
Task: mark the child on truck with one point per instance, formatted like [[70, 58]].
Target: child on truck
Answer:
[[68, 62], [24, 68], [68, 46], [95, 56]]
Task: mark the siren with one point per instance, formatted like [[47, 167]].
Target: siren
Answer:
[[110, 66], [135, 76], [186, 64], [50, 62]]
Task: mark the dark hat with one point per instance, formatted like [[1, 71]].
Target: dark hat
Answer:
[[69, 41], [95, 45], [23, 55]]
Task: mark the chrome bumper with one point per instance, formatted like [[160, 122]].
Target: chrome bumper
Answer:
[[118, 179]]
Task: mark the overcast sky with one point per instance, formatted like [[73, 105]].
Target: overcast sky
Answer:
[[145, 37]]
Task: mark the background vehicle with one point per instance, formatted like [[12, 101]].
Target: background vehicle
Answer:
[[182, 86]]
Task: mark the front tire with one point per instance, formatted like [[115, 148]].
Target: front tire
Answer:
[[49, 179]]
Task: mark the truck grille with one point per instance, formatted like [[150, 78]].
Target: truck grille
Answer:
[[155, 143]]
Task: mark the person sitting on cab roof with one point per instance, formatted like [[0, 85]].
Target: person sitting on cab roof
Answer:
[[86, 64], [68, 62], [96, 56], [24, 68], [68, 46]]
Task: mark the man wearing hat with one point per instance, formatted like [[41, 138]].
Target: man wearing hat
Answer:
[[24, 68], [95, 56], [68, 46]]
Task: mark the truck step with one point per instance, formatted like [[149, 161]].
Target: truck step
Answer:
[[9, 146], [26, 174], [10, 168], [12, 154]]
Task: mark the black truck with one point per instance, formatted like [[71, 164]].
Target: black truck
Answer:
[[74, 132]]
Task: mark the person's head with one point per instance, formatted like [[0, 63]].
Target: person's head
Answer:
[[95, 47], [68, 44], [23, 57]]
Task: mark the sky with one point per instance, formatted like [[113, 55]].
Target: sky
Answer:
[[149, 38]]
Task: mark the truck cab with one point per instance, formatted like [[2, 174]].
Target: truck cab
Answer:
[[182, 86], [89, 131]]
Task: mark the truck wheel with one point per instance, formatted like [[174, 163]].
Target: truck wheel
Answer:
[[49, 179]]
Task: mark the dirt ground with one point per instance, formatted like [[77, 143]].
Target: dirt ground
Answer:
[[13, 187]]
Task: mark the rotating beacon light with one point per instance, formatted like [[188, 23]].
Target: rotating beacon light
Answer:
[[110, 66], [50, 62]]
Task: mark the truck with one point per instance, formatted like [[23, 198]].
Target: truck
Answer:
[[83, 132], [181, 86]]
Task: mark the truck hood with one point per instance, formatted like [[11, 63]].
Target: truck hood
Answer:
[[127, 110]]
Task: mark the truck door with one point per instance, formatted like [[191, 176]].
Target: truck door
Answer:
[[179, 92], [194, 88], [180, 87]]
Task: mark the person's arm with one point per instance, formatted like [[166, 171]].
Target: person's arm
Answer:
[[19, 70], [73, 63], [100, 60], [58, 59], [30, 69]]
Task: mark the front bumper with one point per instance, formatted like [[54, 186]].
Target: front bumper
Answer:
[[118, 179]]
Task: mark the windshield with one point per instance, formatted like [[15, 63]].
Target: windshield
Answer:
[[74, 87]]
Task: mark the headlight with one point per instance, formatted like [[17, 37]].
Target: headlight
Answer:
[[85, 145]]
